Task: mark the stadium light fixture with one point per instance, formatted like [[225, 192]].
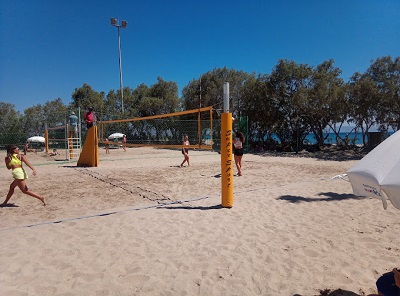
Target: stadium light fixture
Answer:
[[114, 22]]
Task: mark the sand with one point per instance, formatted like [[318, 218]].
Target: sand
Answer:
[[138, 224]]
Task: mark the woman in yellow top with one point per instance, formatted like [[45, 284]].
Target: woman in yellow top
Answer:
[[14, 161]]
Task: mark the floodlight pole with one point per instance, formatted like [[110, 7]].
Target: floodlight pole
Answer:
[[114, 22]]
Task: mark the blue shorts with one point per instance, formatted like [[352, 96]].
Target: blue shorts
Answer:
[[386, 285]]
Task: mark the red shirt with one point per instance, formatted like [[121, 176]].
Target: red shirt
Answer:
[[89, 116]]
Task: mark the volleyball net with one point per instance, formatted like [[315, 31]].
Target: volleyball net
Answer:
[[161, 131], [55, 137]]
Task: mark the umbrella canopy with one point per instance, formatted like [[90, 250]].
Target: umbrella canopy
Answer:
[[116, 136], [36, 139], [378, 173]]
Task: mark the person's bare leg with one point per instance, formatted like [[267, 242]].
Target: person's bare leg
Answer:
[[24, 188], [186, 156], [185, 160], [238, 165], [10, 191]]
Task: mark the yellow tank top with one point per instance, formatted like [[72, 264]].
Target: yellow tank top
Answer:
[[15, 160]]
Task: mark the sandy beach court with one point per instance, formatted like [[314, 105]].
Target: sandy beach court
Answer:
[[138, 224]]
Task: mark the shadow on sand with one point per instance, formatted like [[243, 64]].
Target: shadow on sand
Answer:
[[339, 292], [181, 207], [330, 196], [9, 205]]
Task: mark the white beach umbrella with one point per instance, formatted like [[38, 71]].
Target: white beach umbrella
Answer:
[[378, 173], [36, 139], [115, 136]]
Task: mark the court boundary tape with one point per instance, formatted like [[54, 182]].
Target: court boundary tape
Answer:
[[144, 193], [106, 213], [120, 211], [127, 210]]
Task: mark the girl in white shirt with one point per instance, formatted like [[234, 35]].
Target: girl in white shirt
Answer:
[[238, 153], [185, 151]]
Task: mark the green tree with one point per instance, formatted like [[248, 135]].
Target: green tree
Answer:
[[52, 113], [160, 98], [110, 110], [385, 75], [55, 113], [258, 107], [362, 96], [10, 119], [85, 97], [211, 91], [324, 97], [132, 101], [167, 91], [290, 84], [339, 113], [34, 120], [11, 128]]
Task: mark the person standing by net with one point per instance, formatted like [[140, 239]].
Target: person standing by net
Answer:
[[72, 125], [238, 153], [107, 146], [14, 161], [185, 151], [124, 143], [90, 117]]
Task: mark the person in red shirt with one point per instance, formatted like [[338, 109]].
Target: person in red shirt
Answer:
[[89, 117]]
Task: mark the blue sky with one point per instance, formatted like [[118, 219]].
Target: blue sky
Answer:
[[49, 48]]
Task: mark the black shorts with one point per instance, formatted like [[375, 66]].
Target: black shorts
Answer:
[[185, 150], [238, 151]]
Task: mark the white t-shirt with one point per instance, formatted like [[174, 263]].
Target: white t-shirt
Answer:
[[238, 144]]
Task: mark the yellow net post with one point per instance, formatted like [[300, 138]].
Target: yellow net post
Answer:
[[226, 152], [226, 160], [90, 153], [46, 140]]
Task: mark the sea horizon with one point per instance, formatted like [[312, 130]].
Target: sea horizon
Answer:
[[330, 138]]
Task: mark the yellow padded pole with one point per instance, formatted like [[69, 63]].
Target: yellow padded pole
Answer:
[[90, 152], [226, 160], [46, 140]]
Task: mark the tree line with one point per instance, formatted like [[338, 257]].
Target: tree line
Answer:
[[289, 103]]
